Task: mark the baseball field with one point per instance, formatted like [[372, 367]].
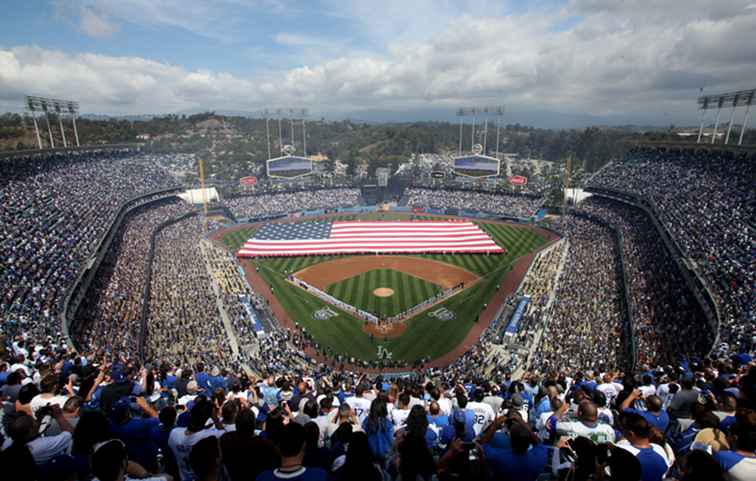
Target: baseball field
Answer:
[[387, 285]]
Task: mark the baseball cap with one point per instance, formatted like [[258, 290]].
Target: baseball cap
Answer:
[[118, 373]]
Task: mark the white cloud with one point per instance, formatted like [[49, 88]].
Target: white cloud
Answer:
[[95, 25], [617, 58]]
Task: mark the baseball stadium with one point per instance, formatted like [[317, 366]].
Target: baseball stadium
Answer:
[[377, 241]]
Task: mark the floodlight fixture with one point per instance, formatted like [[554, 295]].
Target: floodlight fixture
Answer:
[[61, 108], [734, 100], [486, 112], [294, 116]]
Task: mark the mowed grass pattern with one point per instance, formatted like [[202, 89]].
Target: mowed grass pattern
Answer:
[[234, 240], [425, 336], [408, 291]]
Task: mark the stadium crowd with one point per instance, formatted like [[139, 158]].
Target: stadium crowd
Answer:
[[112, 309], [585, 322], [54, 209], [663, 309], [502, 204], [194, 411], [70, 415], [707, 202], [281, 203]]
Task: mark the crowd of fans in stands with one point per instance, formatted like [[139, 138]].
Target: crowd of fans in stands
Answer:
[[111, 314], [193, 411], [585, 322], [707, 202], [53, 211], [70, 415], [501, 204], [281, 203], [662, 308]]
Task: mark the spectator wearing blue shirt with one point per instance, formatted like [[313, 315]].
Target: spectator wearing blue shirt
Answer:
[[435, 417], [460, 427], [728, 404], [292, 448], [702, 419], [652, 457], [202, 378], [654, 414], [739, 464], [523, 460], [379, 429], [136, 433]]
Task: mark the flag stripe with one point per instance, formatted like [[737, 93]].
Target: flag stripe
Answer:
[[310, 238]]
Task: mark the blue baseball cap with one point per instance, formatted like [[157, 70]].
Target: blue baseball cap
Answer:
[[118, 373]]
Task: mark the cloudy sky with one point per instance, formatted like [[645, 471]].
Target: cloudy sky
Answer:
[[620, 60]]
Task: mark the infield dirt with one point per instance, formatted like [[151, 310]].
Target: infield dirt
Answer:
[[326, 273]]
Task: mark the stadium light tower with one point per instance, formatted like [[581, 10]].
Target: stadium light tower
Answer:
[[486, 112], [740, 98], [293, 116], [36, 104]]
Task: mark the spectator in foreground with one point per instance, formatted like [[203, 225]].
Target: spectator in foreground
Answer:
[[653, 459], [109, 462], [739, 464], [358, 461], [205, 459], [292, 448], [236, 446]]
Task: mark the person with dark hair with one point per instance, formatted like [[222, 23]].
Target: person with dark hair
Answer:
[[415, 461], [401, 411], [483, 414], [379, 429], [698, 465], [205, 459], [654, 413], [292, 450], [17, 458], [160, 435], [417, 424], [739, 464], [136, 432], [25, 396], [48, 394], [110, 461], [359, 402], [587, 425], [229, 411], [12, 386], [357, 463], [238, 445], [682, 403], [315, 456], [274, 424], [182, 439], [526, 457], [652, 457]]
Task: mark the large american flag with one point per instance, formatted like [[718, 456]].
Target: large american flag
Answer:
[[313, 238]]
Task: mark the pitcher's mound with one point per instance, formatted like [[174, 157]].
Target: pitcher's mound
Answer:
[[383, 292]]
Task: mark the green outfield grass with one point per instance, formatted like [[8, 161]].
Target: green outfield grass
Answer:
[[409, 291], [234, 240], [425, 336]]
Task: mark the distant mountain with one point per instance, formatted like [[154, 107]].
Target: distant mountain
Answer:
[[536, 118]]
